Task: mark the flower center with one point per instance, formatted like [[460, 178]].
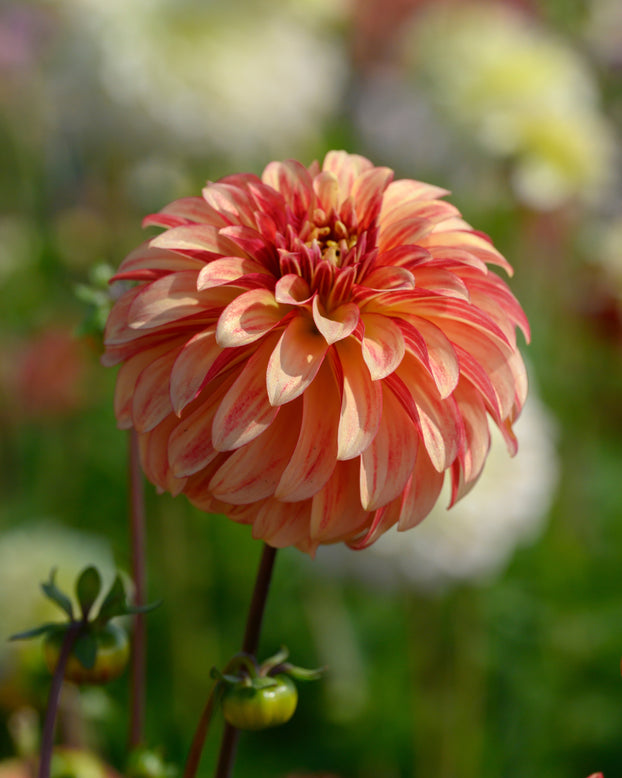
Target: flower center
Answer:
[[331, 236]]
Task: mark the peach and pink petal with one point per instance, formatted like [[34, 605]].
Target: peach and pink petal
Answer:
[[326, 188], [165, 300], [467, 240], [361, 402], [151, 401], [434, 350], [283, 524], [367, 192], [383, 345], [336, 510], [152, 446], [193, 209], [315, 455], [406, 190], [382, 520], [201, 238], [386, 278], [346, 168], [245, 411], [439, 420], [338, 323], [253, 471], [295, 361], [293, 181], [421, 493], [291, 289], [387, 462], [128, 375], [190, 447], [191, 368], [248, 318], [227, 270]]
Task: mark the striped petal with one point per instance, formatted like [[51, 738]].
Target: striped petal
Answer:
[[315, 455], [252, 472], [295, 361], [361, 402], [245, 411], [336, 510], [387, 463], [383, 345], [248, 318], [337, 324]]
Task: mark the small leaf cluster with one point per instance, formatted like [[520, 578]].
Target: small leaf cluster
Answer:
[[88, 630]]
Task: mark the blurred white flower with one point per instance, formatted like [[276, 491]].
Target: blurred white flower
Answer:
[[520, 93], [231, 78], [476, 538]]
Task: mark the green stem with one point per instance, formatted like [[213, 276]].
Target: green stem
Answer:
[[47, 737], [228, 746], [138, 553]]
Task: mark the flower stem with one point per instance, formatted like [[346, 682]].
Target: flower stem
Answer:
[[250, 643], [228, 746], [138, 542], [47, 737]]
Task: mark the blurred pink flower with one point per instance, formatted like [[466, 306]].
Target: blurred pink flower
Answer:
[[45, 376], [310, 351]]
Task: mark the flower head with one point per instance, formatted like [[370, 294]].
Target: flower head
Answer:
[[311, 351]]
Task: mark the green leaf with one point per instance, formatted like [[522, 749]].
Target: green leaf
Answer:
[[114, 603], [53, 593], [88, 587], [85, 649], [132, 609], [301, 673], [42, 629]]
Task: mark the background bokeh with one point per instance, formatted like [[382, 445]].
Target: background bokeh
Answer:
[[487, 641]]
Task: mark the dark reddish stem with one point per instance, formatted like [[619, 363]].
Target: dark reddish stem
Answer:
[[228, 746], [47, 737], [139, 575], [250, 643]]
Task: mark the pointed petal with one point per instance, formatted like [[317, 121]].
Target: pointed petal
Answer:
[[190, 446], [291, 289], [315, 455], [361, 403], [326, 188], [253, 471], [146, 257], [227, 270], [295, 361], [283, 524], [191, 367], [127, 377], [337, 324], [436, 353], [197, 237], [152, 446], [248, 318], [387, 463], [385, 278], [151, 402], [421, 493], [439, 420], [165, 300], [367, 192], [245, 411], [336, 511], [383, 345]]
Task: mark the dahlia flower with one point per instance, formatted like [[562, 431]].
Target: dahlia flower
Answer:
[[310, 352]]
